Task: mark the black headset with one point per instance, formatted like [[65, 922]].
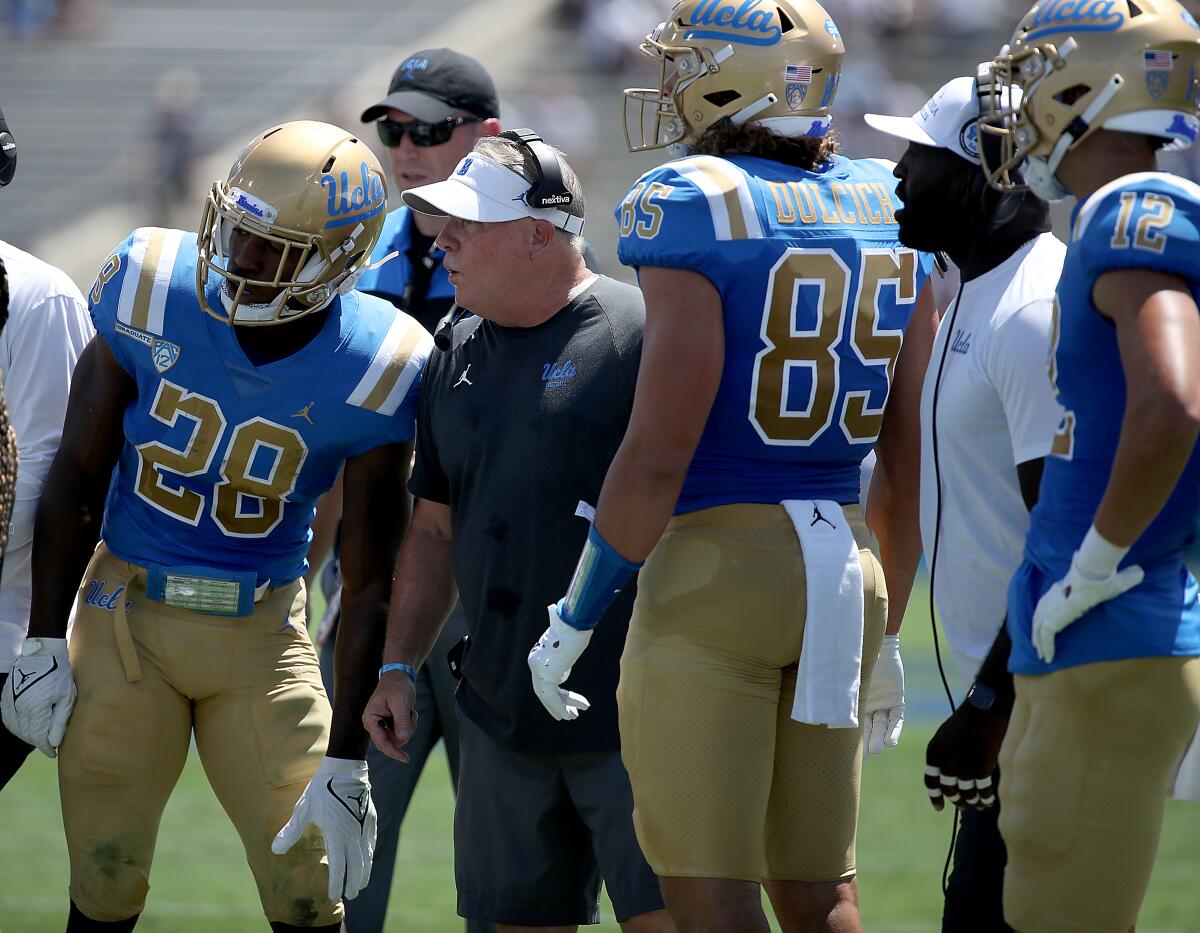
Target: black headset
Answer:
[[8, 153], [549, 191]]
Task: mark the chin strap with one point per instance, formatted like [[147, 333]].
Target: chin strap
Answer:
[[1082, 123]]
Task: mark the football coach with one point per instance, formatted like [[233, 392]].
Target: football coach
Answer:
[[518, 421]]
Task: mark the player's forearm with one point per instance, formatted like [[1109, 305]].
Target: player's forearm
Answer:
[[1157, 438], [66, 529], [894, 512], [355, 662], [422, 597], [639, 495], [1160, 355]]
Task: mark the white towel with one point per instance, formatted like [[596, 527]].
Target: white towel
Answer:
[[1187, 778], [831, 656]]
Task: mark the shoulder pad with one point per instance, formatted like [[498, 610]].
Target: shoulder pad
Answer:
[[132, 285], [674, 214], [1150, 220], [397, 362]]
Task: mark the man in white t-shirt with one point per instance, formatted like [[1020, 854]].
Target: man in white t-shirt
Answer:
[[988, 415], [48, 327]]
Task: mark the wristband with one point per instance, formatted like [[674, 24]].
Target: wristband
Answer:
[[399, 666], [1097, 557], [599, 577]]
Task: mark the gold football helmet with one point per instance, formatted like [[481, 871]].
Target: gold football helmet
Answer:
[[776, 63], [318, 195], [1124, 65]]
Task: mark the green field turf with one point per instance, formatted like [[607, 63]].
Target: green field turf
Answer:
[[201, 883]]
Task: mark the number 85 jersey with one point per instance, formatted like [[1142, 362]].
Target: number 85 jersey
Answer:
[[224, 460], [816, 293]]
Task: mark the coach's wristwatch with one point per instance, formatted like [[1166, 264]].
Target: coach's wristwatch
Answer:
[[988, 700]]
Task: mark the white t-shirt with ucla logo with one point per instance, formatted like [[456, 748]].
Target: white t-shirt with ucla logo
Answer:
[[995, 409]]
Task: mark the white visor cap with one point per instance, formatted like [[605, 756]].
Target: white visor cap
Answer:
[[483, 190], [949, 120]]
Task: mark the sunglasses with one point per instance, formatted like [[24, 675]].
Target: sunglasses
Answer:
[[421, 134]]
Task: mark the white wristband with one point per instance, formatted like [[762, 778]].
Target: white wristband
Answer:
[[1097, 557]]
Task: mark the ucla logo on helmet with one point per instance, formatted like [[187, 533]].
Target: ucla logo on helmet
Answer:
[[743, 21], [1059, 16], [164, 354], [348, 204]]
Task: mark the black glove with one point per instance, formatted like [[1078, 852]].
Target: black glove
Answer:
[[960, 760]]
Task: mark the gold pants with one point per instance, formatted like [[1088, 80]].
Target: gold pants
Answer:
[[248, 688], [1088, 761], [725, 783]]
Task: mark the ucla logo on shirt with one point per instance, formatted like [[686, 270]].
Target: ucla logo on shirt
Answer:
[[961, 342], [164, 354], [741, 21], [95, 594], [557, 374], [1059, 16], [349, 203]]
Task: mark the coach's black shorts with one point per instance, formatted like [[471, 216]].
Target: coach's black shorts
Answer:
[[534, 834]]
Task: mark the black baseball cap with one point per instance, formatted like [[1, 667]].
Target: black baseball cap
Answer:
[[433, 83]]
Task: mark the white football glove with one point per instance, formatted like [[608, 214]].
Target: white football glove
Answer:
[[884, 715], [550, 662], [1091, 579], [40, 694], [338, 802]]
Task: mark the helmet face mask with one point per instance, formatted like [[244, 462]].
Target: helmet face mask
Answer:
[[1120, 70], [779, 64], [313, 192]]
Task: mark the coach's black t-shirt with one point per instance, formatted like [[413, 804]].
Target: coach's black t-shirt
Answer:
[[515, 427]]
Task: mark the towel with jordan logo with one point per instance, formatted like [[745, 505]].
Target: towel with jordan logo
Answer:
[[831, 656]]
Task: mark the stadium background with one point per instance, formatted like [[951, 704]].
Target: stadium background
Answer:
[[126, 110]]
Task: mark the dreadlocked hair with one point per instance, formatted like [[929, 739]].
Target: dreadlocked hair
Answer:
[[726, 138], [8, 438]]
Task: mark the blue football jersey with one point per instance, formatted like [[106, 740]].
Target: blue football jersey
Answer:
[[1144, 221], [816, 293], [224, 460]]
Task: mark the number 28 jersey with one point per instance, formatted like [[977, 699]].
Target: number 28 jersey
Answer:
[[816, 292], [224, 460]]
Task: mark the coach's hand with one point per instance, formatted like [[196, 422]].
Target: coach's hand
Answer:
[[390, 717], [550, 662], [40, 694], [338, 802], [884, 717], [1072, 596], [960, 760]]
